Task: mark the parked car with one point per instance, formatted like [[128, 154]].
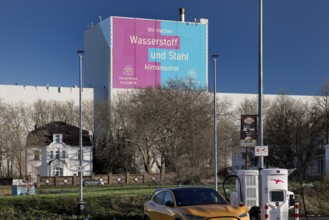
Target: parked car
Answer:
[[92, 182], [197, 203]]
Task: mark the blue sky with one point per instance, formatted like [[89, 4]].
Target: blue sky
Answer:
[[39, 40]]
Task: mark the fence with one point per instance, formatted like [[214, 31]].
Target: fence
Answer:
[[110, 179]]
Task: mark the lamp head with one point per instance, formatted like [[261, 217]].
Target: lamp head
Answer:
[[80, 52], [214, 57]]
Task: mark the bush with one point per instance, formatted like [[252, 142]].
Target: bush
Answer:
[[192, 175], [315, 195]]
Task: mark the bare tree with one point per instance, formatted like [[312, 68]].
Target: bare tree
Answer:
[[40, 113], [164, 123], [66, 112], [225, 133], [138, 118], [322, 106], [280, 126], [185, 132], [2, 139], [113, 153], [88, 115], [292, 133], [16, 127], [248, 107]]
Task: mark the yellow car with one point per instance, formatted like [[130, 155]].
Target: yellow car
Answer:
[[191, 203]]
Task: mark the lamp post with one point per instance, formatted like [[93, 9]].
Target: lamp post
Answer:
[[260, 84], [214, 59], [81, 204]]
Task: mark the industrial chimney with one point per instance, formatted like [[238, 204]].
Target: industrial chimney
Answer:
[[182, 15]]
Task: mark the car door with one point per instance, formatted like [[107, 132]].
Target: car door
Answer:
[[168, 209], [163, 204], [157, 212]]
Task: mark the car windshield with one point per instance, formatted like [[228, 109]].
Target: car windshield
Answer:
[[197, 196]]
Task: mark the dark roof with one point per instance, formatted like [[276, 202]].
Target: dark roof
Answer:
[[70, 135]]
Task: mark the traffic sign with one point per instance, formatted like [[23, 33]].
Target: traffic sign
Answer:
[[81, 169], [261, 151]]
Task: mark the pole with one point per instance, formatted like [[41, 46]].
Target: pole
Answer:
[[214, 58], [260, 84], [297, 211], [260, 98], [81, 205]]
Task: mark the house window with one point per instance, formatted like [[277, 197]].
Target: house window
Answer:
[[57, 154], [57, 138], [36, 155], [57, 171], [51, 154], [63, 154]]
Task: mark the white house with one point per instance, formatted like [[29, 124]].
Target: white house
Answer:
[[28, 94], [54, 151]]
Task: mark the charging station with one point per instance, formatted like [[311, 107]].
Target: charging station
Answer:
[[265, 192]]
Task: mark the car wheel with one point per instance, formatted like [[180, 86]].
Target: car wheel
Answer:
[[146, 217], [253, 217]]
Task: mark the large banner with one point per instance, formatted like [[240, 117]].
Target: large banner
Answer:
[[149, 53], [248, 133]]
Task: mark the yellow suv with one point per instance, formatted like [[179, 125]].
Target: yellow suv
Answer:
[[191, 203]]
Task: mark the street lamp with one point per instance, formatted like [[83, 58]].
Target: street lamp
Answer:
[[81, 204], [260, 84], [214, 59]]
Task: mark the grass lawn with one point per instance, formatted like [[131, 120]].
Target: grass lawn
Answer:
[[121, 202], [102, 202]]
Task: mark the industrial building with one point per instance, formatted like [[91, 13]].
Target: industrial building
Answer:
[[129, 53]]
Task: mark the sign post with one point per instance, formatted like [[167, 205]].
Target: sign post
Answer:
[[248, 133]]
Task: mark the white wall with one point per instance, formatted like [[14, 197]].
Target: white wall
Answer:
[[97, 58], [29, 94], [70, 166]]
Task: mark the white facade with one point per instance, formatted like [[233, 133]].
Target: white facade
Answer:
[[237, 98], [29, 94], [97, 59], [58, 159]]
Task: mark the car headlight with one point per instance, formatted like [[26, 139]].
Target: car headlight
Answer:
[[245, 214], [194, 217]]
